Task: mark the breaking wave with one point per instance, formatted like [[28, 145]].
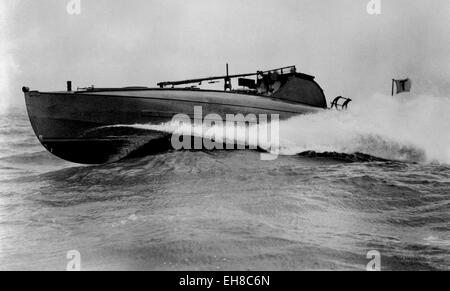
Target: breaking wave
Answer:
[[404, 128]]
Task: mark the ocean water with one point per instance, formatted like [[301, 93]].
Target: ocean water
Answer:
[[374, 178]]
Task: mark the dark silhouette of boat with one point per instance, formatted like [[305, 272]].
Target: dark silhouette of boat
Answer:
[[81, 126]]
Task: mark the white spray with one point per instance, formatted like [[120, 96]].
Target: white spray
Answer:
[[404, 127]]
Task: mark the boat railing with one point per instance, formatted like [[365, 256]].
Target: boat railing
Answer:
[[340, 103]]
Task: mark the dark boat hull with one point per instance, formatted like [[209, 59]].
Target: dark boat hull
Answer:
[[71, 125]]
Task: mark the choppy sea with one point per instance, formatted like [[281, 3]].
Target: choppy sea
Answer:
[[376, 177]]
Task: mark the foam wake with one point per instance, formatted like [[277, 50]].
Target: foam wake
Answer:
[[405, 128]]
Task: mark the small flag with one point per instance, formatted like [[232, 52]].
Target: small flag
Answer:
[[402, 86]]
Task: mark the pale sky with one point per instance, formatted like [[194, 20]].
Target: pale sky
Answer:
[[141, 42]]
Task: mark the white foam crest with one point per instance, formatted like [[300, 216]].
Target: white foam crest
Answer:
[[403, 127]]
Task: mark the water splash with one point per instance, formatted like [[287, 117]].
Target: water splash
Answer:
[[405, 128], [409, 128]]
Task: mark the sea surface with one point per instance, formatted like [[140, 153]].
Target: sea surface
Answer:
[[345, 183]]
